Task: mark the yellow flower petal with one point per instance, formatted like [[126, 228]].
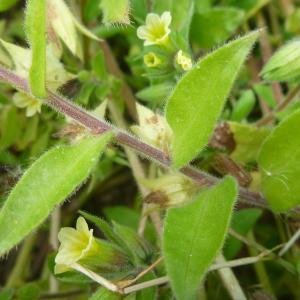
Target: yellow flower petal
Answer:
[[156, 30]]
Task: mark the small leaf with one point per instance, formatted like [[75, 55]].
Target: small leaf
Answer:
[[265, 92], [155, 93], [197, 101], [49, 181], [194, 234], [279, 164], [35, 26], [243, 106]]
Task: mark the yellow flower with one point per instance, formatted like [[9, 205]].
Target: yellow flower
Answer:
[[151, 60], [184, 61], [80, 246], [32, 105], [153, 128], [156, 30]]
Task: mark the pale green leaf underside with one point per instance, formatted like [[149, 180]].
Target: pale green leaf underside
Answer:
[[279, 164], [48, 182], [35, 26], [194, 234], [198, 99]]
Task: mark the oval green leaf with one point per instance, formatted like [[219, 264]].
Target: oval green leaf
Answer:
[[279, 164], [35, 26], [197, 101], [194, 234], [48, 182]]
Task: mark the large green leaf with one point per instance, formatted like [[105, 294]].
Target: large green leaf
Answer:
[[279, 164], [194, 234], [198, 99], [35, 26], [48, 182]]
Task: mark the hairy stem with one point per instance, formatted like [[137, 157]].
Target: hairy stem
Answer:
[[98, 126]]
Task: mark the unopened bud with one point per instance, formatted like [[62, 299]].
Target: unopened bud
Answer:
[[183, 61], [151, 60], [284, 65], [153, 128], [169, 190]]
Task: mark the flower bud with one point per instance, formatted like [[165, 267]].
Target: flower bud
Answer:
[[81, 247], [169, 190], [32, 105], [284, 65], [183, 61], [153, 128], [151, 60], [21, 57]]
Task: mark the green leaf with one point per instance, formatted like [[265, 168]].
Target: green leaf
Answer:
[[155, 93], [99, 65], [248, 141], [35, 27], [29, 128], [139, 10], [140, 250], [265, 92], [115, 11], [243, 106], [191, 111], [130, 218], [104, 294], [91, 10], [48, 182], [194, 234], [29, 291], [9, 127], [214, 26], [7, 4], [242, 222], [6, 294], [279, 164]]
